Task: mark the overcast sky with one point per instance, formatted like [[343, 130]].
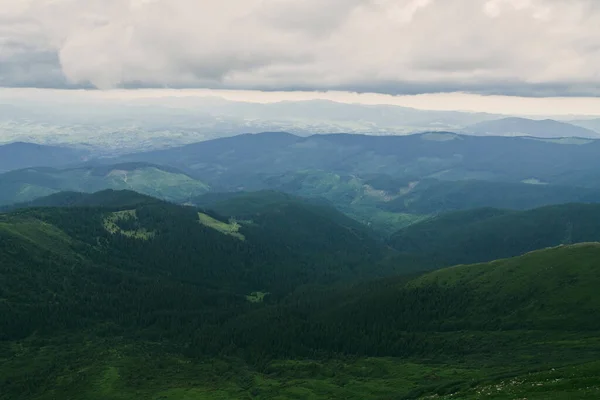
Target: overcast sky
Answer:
[[530, 48]]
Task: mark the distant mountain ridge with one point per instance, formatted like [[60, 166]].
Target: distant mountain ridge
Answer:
[[547, 128], [20, 155], [235, 162], [160, 181]]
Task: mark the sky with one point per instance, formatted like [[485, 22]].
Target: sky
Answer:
[[542, 54]]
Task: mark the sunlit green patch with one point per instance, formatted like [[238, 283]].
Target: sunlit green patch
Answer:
[[232, 228], [111, 224], [256, 297]]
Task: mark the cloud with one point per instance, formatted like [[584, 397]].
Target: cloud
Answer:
[[517, 47]]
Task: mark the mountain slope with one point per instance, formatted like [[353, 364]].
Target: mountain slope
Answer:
[[294, 223], [106, 198], [288, 245], [244, 205], [544, 289], [433, 196], [547, 128], [89, 294], [513, 305], [164, 182], [244, 162], [488, 234], [20, 155], [592, 124], [390, 182]]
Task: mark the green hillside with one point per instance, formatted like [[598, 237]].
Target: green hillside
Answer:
[[388, 204], [544, 289], [487, 234], [550, 290], [163, 182], [119, 296], [256, 205], [508, 319], [311, 237]]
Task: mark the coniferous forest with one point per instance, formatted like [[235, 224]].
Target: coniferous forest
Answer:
[[117, 295]]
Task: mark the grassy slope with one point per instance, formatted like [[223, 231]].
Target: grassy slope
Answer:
[[166, 183]]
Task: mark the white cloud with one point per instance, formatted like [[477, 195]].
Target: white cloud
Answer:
[[527, 47]]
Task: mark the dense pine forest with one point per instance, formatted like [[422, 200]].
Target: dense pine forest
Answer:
[[272, 296]]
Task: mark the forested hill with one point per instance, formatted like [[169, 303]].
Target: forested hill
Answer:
[[448, 312], [487, 234], [106, 198], [258, 205], [124, 240], [94, 286]]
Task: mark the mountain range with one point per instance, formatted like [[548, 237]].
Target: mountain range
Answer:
[[276, 266], [387, 182], [546, 128]]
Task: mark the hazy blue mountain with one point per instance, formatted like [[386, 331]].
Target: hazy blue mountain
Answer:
[[547, 128], [165, 182], [592, 124], [119, 125], [236, 162], [23, 155], [389, 182]]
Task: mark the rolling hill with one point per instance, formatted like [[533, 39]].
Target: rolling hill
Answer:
[[105, 198], [434, 196], [547, 128], [164, 182], [389, 182], [544, 290], [487, 234], [387, 204], [117, 295], [530, 314], [21, 155], [235, 163], [592, 123], [313, 242]]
